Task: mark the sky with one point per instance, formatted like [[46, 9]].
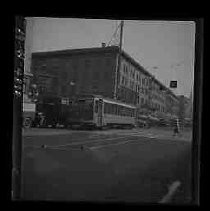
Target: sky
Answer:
[[164, 48]]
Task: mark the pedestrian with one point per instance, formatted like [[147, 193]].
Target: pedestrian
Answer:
[[38, 119], [41, 119], [176, 127]]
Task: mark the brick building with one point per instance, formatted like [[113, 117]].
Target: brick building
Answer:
[[66, 73], [69, 72]]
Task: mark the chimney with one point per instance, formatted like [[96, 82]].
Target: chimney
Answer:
[[103, 44]]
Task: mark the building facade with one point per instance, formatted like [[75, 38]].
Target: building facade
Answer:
[[172, 103], [157, 97], [71, 72], [133, 86], [67, 73]]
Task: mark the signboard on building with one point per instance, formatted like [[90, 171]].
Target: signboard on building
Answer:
[[173, 84]]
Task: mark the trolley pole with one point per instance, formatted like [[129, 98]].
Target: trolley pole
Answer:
[[117, 75]]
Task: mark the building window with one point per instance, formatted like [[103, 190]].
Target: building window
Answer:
[[107, 75], [63, 89], [126, 82], [146, 81], [87, 63], [138, 99], [75, 66], [75, 75], [94, 87], [96, 106], [95, 75], [108, 62], [123, 80]]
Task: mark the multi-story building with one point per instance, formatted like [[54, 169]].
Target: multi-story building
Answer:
[[134, 82], [172, 103], [69, 72], [65, 73], [157, 97]]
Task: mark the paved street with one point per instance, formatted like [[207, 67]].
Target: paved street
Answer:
[[136, 165]]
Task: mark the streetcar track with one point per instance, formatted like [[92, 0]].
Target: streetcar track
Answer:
[[96, 139], [101, 142], [88, 144], [111, 144]]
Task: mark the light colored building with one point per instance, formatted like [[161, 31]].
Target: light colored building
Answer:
[[172, 104], [134, 82], [157, 97]]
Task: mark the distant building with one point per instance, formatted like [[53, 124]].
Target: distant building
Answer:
[[185, 109], [65, 73], [157, 97], [189, 107], [172, 103]]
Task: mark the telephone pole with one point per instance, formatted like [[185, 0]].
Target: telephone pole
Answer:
[[117, 75]]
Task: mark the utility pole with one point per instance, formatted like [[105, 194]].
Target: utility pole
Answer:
[[117, 78]]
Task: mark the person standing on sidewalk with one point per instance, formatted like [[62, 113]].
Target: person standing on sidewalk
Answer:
[[176, 128]]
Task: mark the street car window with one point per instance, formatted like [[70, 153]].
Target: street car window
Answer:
[[96, 106]]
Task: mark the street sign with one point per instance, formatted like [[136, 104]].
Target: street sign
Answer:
[[173, 84]]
